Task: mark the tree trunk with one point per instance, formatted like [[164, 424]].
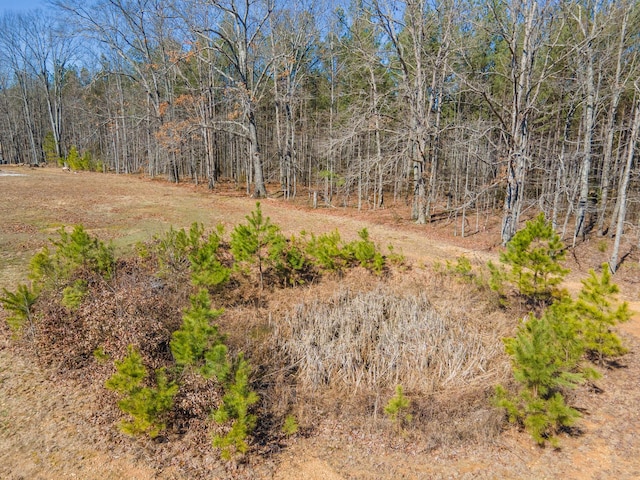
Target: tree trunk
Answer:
[[624, 185]]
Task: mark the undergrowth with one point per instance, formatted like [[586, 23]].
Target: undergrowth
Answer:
[[335, 331]]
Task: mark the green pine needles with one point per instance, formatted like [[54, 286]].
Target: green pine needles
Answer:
[[73, 251], [547, 355], [533, 256], [20, 303], [236, 405], [398, 409], [545, 360], [258, 242], [198, 341], [179, 251], [598, 313], [146, 405]]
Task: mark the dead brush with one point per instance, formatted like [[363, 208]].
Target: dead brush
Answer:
[[374, 341]]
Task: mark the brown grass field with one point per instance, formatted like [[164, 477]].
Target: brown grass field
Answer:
[[48, 425]]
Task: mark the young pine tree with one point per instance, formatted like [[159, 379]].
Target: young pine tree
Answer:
[[397, 409], [146, 405], [545, 358], [206, 269], [197, 334], [257, 242], [534, 255], [236, 405], [598, 314], [20, 303]]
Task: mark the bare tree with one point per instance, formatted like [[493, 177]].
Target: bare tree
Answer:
[[624, 184], [236, 30]]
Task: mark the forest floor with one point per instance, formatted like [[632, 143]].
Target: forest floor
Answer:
[[44, 432]]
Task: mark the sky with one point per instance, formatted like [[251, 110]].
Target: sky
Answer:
[[21, 5]]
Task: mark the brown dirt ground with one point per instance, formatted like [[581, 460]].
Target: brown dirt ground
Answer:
[[44, 432]]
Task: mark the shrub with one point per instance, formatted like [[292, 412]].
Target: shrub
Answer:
[[365, 253], [291, 263], [146, 405], [257, 242], [236, 404], [545, 357], [73, 251], [20, 303], [197, 335], [290, 426], [174, 247], [326, 252], [598, 315], [206, 268], [72, 295], [534, 255]]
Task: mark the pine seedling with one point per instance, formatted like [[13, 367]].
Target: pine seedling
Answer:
[[197, 335], [257, 242], [236, 405], [326, 252], [365, 253], [534, 255], [598, 314], [20, 303], [290, 426], [397, 409], [206, 269], [73, 295], [145, 405], [545, 358]]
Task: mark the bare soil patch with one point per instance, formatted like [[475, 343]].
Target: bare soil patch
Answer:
[[46, 429]]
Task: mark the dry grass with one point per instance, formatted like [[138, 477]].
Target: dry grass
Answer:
[[380, 339]]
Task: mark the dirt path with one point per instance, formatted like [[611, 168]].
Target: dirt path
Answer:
[[42, 429]]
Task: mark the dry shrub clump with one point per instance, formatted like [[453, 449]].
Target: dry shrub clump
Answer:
[[133, 308], [379, 339]]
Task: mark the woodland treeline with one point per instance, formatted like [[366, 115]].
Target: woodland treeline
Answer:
[[456, 106]]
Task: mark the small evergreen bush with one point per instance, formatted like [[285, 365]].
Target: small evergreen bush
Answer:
[[20, 303], [197, 335], [173, 249], [206, 268], [397, 409], [365, 253], [146, 405], [72, 295], [290, 426], [326, 252], [546, 358], [73, 251], [257, 242], [236, 405], [595, 306], [533, 256]]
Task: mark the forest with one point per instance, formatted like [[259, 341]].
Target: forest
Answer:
[[456, 107]]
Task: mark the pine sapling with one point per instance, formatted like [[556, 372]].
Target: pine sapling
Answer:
[[545, 357], [534, 256], [206, 268], [20, 303], [146, 405], [197, 334], [598, 314], [257, 242], [397, 409], [236, 405]]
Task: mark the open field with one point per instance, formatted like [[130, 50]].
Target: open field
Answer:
[[45, 428]]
